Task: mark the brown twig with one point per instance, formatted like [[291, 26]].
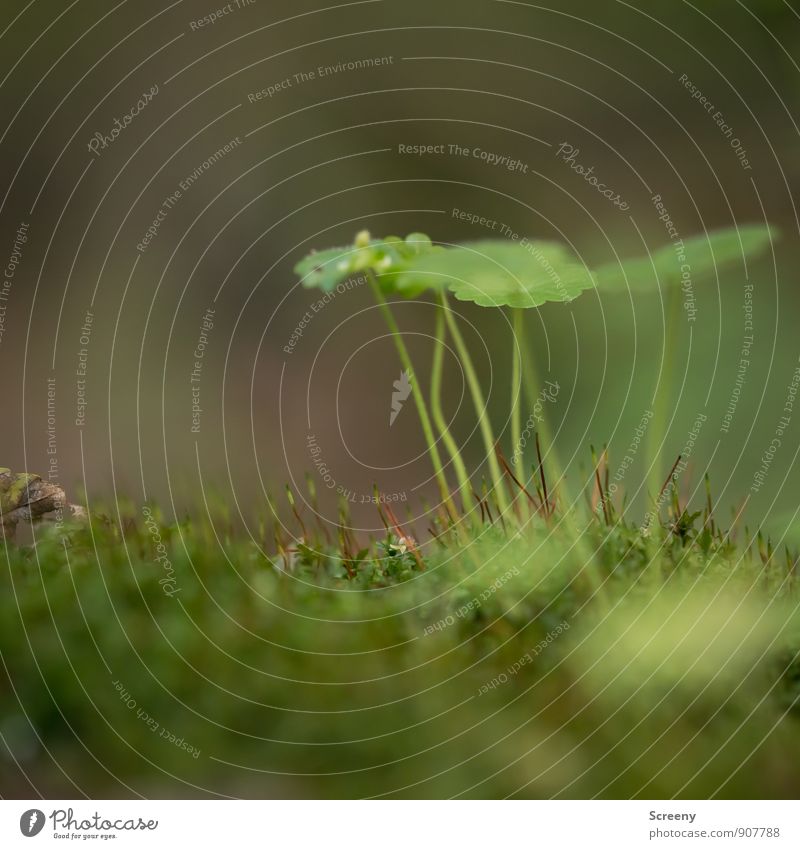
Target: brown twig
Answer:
[[480, 504], [541, 475], [290, 499], [670, 477], [601, 495], [489, 511], [513, 477]]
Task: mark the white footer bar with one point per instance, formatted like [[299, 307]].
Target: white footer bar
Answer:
[[401, 824]]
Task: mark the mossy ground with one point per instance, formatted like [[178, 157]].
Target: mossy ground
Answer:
[[571, 658]]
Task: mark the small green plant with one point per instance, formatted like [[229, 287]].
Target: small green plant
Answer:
[[379, 260], [497, 274], [515, 276]]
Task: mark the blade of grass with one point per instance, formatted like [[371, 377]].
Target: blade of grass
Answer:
[[516, 480]]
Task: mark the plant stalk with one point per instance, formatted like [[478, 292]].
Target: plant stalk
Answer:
[[532, 384], [473, 383], [438, 416], [518, 318], [419, 399]]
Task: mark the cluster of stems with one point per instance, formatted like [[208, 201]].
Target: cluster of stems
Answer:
[[433, 415], [522, 364]]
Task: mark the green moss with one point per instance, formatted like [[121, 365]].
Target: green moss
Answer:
[[14, 489], [487, 668]]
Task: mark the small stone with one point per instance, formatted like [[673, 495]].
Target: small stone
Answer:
[[28, 498]]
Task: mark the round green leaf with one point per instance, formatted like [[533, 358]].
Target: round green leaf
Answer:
[[326, 269], [698, 256], [494, 273]]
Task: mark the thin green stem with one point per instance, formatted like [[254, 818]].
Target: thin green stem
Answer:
[[516, 390], [656, 431], [480, 407], [419, 399], [532, 389], [439, 419]]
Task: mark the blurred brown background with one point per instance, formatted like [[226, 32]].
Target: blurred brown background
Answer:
[[318, 160]]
